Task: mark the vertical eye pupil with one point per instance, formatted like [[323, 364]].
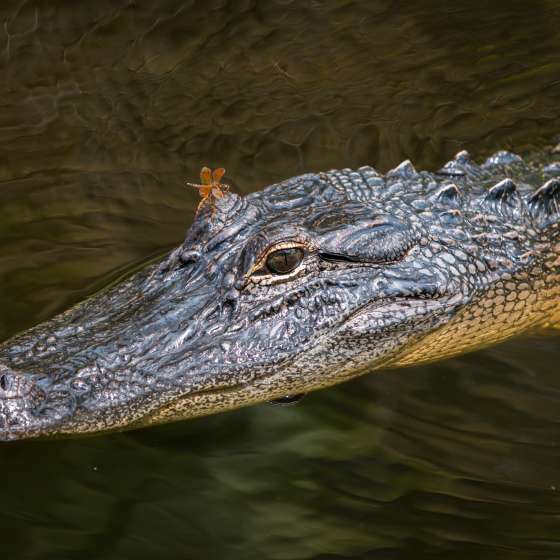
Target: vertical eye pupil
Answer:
[[284, 260]]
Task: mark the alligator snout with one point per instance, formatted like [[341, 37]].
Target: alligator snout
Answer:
[[16, 386], [20, 396]]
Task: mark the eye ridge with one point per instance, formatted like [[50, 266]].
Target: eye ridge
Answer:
[[285, 260]]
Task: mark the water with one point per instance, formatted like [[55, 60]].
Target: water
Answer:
[[106, 108]]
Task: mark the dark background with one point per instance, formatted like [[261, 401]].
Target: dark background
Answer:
[[107, 108]]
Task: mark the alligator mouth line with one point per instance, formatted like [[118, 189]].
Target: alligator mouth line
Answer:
[[243, 389], [253, 390]]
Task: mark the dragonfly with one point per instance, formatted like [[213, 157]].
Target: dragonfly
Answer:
[[210, 188]]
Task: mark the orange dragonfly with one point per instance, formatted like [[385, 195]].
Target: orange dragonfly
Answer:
[[210, 188]]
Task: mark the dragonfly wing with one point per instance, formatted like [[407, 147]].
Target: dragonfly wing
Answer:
[[206, 176], [218, 174]]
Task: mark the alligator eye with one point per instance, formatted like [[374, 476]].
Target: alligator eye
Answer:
[[285, 260]]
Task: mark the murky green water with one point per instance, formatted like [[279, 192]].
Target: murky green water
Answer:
[[106, 108]]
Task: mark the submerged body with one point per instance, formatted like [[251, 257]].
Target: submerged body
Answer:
[[303, 285]]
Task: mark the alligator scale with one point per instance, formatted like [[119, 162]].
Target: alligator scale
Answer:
[[303, 285]]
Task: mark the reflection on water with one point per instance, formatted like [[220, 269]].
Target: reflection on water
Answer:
[[107, 108]]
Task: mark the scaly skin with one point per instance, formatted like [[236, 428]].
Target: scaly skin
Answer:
[[395, 270]]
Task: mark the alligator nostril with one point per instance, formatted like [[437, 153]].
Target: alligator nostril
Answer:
[[3, 382]]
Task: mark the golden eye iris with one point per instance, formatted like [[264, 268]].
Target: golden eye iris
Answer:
[[285, 260]]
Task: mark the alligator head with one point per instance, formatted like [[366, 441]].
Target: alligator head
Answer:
[[303, 285]]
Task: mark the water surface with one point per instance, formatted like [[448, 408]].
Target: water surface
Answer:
[[107, 108]]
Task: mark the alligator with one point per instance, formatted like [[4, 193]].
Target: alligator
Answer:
[[303, 285]]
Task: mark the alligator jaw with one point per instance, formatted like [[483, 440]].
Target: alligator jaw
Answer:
[[33, 406], [292, 375]]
